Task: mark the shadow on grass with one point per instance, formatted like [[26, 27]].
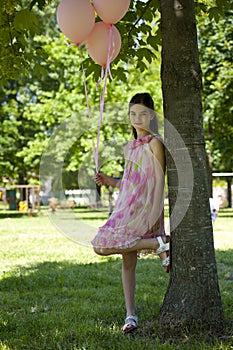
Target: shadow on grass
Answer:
[[63, 305]]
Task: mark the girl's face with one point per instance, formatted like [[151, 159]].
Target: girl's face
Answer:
[[140, 117]]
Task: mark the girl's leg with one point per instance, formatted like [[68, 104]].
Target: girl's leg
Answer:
[[129, 262], [150, 243], [143, 244]]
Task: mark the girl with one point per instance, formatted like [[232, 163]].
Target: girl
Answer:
[[137, 222]]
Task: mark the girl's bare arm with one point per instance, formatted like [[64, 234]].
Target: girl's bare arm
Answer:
[[102, 179], [157, 149]]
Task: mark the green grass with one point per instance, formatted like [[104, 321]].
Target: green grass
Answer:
[[55, 294]]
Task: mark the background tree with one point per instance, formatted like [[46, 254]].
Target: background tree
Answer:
[[217, 67], [216, 45]]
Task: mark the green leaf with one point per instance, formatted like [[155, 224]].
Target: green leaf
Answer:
[[40, 70], [145, 53], [26, 20], [200, 6]]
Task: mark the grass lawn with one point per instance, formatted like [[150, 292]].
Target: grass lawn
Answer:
[[55, 294]]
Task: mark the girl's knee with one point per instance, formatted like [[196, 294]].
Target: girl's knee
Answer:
[[97, 250], [100, 251]]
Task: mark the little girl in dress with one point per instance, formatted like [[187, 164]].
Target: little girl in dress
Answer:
[[137, 221]]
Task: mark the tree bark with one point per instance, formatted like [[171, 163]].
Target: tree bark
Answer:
[[193, 294]]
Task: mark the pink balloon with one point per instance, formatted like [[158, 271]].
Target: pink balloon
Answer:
[[97, 43], [76, 19], [111, 11]]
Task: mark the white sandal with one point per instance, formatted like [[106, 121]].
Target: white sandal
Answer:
[[166, 262], [163, 247], [131, 323]]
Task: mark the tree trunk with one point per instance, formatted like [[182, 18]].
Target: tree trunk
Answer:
[[193, 293]]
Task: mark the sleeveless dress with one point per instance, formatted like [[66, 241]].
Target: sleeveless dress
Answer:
[[135, 208]]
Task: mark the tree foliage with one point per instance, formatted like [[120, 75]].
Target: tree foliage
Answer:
[[22, 20], [216, 46], [54, 92], [42, 82]]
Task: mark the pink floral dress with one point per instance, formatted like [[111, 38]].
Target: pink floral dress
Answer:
[[134, 212]]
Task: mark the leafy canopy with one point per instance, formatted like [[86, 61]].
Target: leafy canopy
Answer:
[[22, 20]]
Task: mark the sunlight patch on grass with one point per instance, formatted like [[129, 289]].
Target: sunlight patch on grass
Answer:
[[223, 240]]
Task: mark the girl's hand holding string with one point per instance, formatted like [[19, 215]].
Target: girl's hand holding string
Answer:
[[101, 179]]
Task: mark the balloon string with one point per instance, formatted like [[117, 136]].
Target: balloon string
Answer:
[[110, 45], [107, 71], [88, 106], [100, 120], [101, 78]]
